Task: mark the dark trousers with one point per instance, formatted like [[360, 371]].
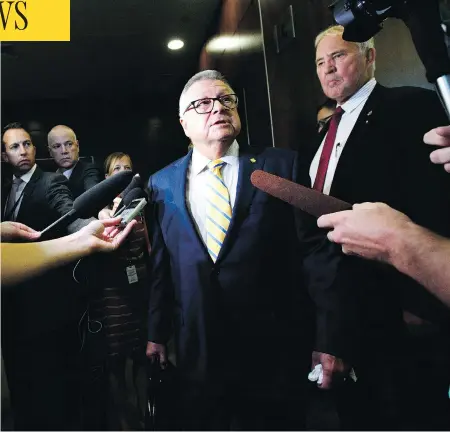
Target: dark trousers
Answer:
[[113, 387], [261, 395], [237, 408], [429, 362], [401, 392], [43, 375]]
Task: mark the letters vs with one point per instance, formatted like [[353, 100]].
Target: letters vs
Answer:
[[17, 14]]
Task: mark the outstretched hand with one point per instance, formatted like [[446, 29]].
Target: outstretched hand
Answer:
[[15, 231], [105, 235], [365, 230]]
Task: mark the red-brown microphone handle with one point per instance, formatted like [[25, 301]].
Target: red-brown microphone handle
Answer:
[[306, 199]]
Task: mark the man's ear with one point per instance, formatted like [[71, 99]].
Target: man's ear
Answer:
[[371, 55], [5, 157], [184, 125]]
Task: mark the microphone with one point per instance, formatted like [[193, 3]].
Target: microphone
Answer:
[[89, 203], [136, 182], [309, 200], [131, 195]]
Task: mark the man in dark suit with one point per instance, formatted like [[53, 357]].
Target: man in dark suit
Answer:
[[39, 318], [65, 149], [227, 280], [372, 150]]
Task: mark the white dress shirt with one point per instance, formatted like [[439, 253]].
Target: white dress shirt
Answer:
[[66, 173], [197, 181], [352, 108], [25, 179]]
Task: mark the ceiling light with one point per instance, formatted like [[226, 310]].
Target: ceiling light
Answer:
[[234, 43], [175, 44]]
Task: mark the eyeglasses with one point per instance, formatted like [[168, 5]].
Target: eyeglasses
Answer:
[[67, 145], [206, 105]]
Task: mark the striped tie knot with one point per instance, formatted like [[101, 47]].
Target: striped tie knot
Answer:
[[216, 166]]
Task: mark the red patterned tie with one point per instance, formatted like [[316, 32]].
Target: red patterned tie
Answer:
[[327, 149]]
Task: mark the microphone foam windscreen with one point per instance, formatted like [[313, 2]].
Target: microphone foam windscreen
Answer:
[[133, 194], [309, 200], [136, 182], [98, 197]]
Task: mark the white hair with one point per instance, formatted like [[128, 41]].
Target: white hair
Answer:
[[338, 30], [206, 75]]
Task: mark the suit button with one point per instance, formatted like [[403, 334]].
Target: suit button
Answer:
[[215, 271]]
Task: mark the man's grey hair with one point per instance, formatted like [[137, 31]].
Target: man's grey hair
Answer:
[[337, 30], [206, 75]]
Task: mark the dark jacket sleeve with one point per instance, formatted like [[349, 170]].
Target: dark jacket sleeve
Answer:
[[92, 176], [60, 199], [331, 291], [422, 191], [161, 299]]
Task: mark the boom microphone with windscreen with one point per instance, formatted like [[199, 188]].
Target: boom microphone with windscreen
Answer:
[[136, 182], [94, 199], [131, 195], [309, 200]]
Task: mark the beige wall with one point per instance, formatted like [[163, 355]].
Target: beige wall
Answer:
[[398, 63]]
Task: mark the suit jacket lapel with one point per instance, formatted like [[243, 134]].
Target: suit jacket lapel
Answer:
[[6, 190], [249, 161], [29, 188], [76, 173], [306, 156], [179, 198], [356, 141]]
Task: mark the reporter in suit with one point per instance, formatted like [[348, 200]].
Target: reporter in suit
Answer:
[[64, 148], [372, 150], [226, 278], [39, 319]]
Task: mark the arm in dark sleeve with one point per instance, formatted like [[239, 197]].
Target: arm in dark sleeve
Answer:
[[423, 193], [422, 189], [60, 199], [330, 288], [92, 176], [161, 300]]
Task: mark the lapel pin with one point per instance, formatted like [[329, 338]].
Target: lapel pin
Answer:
[[252, 160]]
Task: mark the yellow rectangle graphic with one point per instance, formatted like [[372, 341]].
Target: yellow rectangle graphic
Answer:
[[35, 20]]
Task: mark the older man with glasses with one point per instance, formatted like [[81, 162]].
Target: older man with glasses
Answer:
[[227, 278]]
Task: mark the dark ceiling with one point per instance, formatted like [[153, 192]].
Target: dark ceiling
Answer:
[[116, 47]]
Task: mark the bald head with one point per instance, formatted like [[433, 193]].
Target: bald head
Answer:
[[63, 146], [61, 130]]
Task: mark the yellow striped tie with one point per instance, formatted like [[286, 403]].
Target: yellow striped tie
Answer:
[[218, 208]]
